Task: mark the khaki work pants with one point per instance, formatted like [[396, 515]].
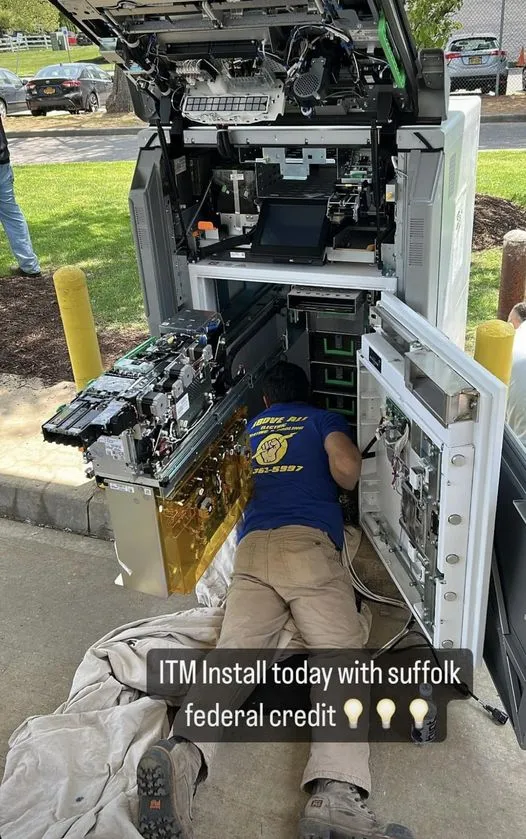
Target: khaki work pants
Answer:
[[293, 572]]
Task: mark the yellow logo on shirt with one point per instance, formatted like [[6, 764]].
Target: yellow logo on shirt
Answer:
[[271, 449]]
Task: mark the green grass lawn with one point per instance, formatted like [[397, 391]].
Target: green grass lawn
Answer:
[[78, 214], [501, 173], [25, 63]]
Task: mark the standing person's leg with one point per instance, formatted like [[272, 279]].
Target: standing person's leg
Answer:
[[168, 773], [14, 223]]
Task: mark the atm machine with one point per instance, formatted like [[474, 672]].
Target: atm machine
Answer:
[[304, 188]]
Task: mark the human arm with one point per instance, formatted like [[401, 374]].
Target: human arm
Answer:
[[344, 459]]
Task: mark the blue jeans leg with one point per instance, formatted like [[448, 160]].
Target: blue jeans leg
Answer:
[[15, 224]]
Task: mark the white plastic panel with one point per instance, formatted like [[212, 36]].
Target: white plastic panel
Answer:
[[204, 273], [470, 452]]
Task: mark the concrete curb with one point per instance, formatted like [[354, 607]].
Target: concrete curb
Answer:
[[114, 132], [74, 132], [79, 509], [496, 118]]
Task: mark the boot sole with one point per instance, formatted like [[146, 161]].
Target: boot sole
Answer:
[[157, 816], [314, 829]]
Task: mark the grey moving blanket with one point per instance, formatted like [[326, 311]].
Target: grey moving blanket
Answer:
[[73, 773]]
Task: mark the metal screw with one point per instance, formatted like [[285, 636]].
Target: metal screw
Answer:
[[454, 519], [452, 559], [447, 644], [458, 460], [450, 595]]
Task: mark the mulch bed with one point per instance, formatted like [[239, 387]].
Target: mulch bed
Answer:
[[31, 337], [32, 341], [514, 104], [494, 217]]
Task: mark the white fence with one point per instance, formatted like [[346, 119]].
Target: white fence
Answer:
[[15, 43]]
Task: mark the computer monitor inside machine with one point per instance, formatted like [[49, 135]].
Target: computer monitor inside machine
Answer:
[[289, 230]]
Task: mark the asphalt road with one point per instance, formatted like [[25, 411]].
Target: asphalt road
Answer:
[[73, 149], [124, 147]]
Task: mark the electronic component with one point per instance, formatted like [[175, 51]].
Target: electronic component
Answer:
[[163, 431], [229, 98], [291, 231], [317, 300], [131, 419]]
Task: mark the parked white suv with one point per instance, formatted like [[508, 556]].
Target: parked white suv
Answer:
[[474, 62]]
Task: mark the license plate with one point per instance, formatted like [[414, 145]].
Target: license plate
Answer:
[[49, 90], [475, 59]]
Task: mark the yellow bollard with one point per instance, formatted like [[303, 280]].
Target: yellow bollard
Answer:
[[494, 347], [79, 327]]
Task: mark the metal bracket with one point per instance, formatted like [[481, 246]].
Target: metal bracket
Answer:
[[291, 168]]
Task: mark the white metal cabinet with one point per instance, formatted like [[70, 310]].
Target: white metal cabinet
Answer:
[[432, 523]]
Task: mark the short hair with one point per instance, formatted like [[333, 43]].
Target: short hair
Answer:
[[286, 382], [520, 310]]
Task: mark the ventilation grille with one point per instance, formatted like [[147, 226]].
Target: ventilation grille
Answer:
[[416, 242], [141, 230], [226, 104], [307, 85]]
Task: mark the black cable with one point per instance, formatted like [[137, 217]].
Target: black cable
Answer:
[[499, 717], [369, 446], [170, 175], [202, 201]]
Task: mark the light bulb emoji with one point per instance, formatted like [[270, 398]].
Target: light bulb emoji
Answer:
[[353, 709], [418, 709], [386, 709]]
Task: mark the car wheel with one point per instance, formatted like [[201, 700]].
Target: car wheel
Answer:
[[3, 109], [92, 103], [38, 112], [503, 86]]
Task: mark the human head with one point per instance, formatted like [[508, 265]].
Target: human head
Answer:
[[285, 382], [517, 316]]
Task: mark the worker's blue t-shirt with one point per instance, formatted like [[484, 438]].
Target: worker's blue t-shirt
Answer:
[[292, 480]]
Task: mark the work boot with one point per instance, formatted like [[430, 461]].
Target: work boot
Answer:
[[337, 810], [167, 777]]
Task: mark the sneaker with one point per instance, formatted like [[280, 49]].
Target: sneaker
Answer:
[[337, 810], [19, 272], [167, 777]]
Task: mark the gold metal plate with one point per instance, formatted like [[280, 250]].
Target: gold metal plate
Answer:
[[196, 520]]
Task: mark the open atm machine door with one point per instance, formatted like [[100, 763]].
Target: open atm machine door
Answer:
[[428, 492], [505, 642]]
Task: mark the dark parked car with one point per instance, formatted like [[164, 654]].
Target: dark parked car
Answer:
[[12, 93], [68, 87]]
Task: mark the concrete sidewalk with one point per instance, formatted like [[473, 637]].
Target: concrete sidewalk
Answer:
[[41, 482], [58, 597]]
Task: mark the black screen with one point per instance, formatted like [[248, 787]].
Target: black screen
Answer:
[[293, 227]]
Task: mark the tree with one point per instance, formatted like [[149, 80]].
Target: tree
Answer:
[[119, 100], [433, 21], [28, 16]]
